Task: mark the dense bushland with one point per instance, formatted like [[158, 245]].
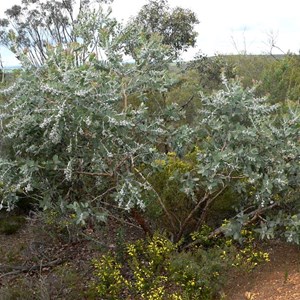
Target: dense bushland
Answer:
[[90, 136]]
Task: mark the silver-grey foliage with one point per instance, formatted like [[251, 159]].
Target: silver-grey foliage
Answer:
[[73, 138]]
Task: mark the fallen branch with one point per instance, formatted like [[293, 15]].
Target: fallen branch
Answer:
[[23, 269]]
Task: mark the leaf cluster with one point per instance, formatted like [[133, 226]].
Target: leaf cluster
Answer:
[[176, 26]]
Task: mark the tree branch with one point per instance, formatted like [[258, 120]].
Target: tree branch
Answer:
[[254, 215], [183, 106], [21, 269], [94, 174], [187, 219], [159, 200]]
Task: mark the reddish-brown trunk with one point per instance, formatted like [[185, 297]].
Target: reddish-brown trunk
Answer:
[[141, 221]]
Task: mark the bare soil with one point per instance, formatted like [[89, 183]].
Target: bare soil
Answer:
[[278, 279]]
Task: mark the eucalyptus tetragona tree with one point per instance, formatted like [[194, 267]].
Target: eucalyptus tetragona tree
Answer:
[[243, 145], [71, 138], [74, 139], [253, 148]]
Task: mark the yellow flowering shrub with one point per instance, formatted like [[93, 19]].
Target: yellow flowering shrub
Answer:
[[249, 256], [154, 269], [110, 280], [146, 265]]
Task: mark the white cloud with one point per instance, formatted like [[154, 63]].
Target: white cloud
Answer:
[[221, 20]]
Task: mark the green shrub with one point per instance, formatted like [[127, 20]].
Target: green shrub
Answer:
[[58, 225], [198, 273], [165, 179], [144, 276], [155, 269], [77, 143], [11, 224], [281, 79], [70, 132]]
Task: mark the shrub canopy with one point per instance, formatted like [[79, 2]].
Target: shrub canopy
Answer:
[[71, 138]]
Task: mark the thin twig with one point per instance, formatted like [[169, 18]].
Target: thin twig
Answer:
[[103, 194], [183, 106], [187, 219], [94, 173], [125, 222]]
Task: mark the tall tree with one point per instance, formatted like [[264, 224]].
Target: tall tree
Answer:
[[34, 25], [175, 25]]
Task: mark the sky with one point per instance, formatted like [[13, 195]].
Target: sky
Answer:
[[226, 26]]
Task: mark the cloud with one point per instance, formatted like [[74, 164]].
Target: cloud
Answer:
[[8, 58], [245, 21]]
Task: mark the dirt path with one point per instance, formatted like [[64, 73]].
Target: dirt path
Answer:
[[277, 280]]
